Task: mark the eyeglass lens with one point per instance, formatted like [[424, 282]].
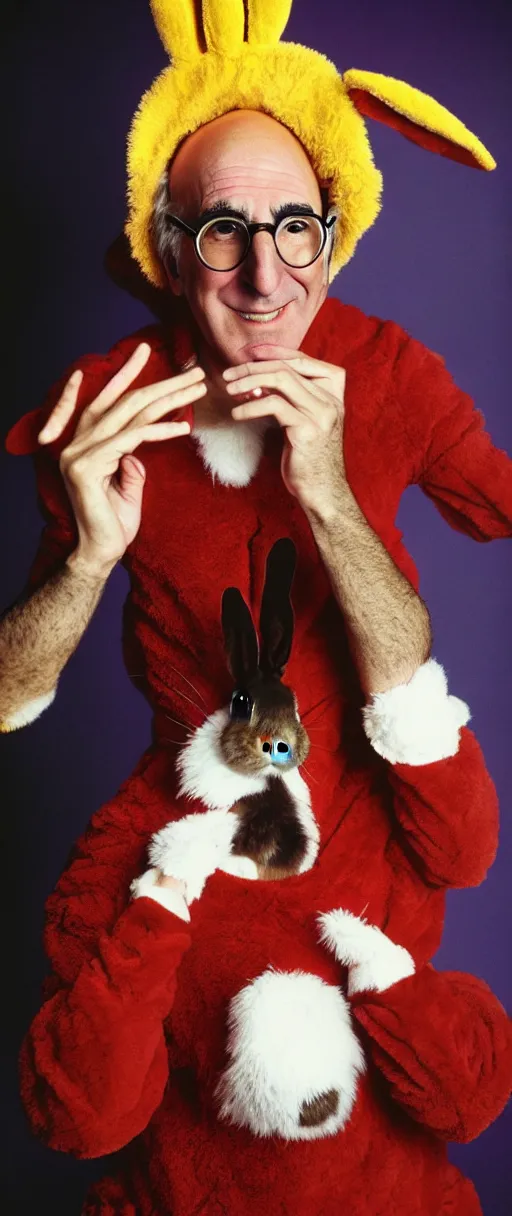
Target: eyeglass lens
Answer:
[[223, 243]]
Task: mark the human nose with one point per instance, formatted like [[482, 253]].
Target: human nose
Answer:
[[263, 267]]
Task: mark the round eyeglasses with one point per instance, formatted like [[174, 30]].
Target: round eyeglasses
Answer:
[[224, 242]]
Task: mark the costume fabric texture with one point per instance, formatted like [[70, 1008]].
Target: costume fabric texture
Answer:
[[131, 1038]]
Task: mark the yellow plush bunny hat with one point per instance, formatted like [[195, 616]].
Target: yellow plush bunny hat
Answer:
[[226, 55]]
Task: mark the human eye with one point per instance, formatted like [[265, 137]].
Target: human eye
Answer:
[[223, 229], [296, 224]]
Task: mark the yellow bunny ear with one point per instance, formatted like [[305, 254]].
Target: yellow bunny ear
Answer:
[[417, 116], [177, 24], [188, 28], [224, 25], [267, 19]]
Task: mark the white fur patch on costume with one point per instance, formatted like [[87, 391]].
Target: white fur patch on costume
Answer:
[[194, 847], [373, 960], [232, 451], [290, 1040], [417, 722], [28, 712], [172, 900]]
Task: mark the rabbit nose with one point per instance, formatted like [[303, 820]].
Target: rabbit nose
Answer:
[[279, 751]]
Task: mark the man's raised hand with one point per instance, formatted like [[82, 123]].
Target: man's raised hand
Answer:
[[103, 478]]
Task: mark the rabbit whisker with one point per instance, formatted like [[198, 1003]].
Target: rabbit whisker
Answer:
[[178, 723], [138, 675], [308, 774], [185, 698], [189, 682], [177, 743], [323, 748]]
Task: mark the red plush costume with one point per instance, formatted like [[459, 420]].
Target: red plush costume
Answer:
[[132, 1037]]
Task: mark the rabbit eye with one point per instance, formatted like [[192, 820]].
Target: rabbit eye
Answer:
[[241, 706]]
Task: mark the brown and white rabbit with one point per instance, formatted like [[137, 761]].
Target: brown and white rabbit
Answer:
[[243, 762]]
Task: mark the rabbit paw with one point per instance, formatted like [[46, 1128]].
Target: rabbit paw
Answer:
[[194, 847], [374, 962]]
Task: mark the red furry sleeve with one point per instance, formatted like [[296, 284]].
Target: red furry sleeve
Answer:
[[94, 1063], [455, 461], [448, 815], [443, 1043]]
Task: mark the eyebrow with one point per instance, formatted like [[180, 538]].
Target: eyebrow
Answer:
[[223, 207]]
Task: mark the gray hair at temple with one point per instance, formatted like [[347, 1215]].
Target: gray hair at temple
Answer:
[[165, 237]]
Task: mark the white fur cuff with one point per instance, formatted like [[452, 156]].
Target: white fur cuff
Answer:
[[28, 712], [374, 962], [172, 900], [417, 722]]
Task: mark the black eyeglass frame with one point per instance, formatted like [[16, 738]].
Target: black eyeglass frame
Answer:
[[195, 230]]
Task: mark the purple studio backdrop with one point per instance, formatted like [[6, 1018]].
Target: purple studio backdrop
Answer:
[[436, 262]]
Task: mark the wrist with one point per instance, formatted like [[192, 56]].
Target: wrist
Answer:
[[92, 567], [328, 510]]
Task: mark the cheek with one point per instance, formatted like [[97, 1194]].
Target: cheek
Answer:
[[206, 287]]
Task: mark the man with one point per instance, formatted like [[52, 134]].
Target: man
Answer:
[[405, 806]]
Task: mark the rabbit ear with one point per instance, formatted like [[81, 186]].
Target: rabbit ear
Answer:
[[240, 637], [179, 27], [224, 25], [266, 19], [190, 27], [276, 619], [417, 116]]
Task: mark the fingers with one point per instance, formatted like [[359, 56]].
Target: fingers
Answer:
[[128, 440], [123, 378], [302, 394], [303, 364], [63, 410], [132, 475], [271, 406], [170, 394], [145, 405], [86, 469]]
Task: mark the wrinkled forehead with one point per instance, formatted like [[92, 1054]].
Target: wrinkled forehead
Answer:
[[242, 155]]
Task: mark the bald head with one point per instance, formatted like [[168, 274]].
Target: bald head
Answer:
[[244, 152]]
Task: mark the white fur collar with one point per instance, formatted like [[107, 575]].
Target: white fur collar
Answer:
[[231, 451]]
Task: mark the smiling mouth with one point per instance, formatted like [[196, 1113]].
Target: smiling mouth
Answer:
[[261, 318]]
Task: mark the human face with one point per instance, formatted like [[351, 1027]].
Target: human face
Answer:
[[252, 164]]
